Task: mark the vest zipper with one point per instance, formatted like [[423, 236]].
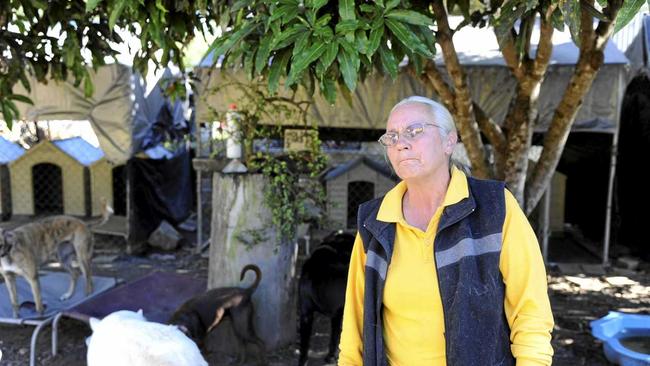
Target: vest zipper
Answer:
[[442, 302]]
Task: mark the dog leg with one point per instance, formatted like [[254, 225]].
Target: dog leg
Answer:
[[66, 253], [217, 318], [83, 248], [85, 269], [335, 334], [242, 325], [306, 319], [74, 274], [10, 281], [36, 291]]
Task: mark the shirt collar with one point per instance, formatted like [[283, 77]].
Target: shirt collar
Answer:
[[391, 206]]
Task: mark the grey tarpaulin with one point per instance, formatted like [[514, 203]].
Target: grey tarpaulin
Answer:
[[119, 111]]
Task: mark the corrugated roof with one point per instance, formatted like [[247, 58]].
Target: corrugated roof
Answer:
[[9, 151], [383, 169], [80, 150]]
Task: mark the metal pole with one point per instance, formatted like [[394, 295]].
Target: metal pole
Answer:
[[612, 173], [546, 212], [199, 195]]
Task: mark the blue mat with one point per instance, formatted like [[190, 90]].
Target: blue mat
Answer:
[[53, 285]]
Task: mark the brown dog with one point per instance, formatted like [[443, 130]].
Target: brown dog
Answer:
[[201, 314], [25, 248]]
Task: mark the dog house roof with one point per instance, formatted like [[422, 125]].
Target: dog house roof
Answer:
[[9, 151], [79, 149]]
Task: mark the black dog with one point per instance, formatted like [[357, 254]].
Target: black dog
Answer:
[[199, 315], [322, 289]]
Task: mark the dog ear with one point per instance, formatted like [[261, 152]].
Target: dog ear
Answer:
[[94, 323]]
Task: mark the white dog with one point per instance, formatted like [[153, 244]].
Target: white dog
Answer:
[[127, 338]]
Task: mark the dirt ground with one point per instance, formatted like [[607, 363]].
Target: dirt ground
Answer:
[[578, 295]]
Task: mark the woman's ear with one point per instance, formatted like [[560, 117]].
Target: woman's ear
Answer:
[[452, 139]]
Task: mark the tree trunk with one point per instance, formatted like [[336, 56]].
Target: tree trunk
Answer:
[[242, 234]]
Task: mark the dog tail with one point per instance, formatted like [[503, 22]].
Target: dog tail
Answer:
[[107, 212], [258, 276]]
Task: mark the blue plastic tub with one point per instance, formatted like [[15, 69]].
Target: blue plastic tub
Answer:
[[626, 338]]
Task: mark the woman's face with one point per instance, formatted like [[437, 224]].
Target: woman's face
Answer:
[[423, 155]]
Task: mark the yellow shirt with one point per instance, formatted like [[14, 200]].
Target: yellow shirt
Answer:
[[413, 317]]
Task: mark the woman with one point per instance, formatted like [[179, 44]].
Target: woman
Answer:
[[445, 269]]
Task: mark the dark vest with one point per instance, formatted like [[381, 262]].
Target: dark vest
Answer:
[[467, 249]]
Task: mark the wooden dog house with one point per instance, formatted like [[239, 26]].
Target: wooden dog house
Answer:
[[68, 176], [9, 151], [352, 183]]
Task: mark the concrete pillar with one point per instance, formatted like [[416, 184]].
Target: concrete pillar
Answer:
[[241, 234]]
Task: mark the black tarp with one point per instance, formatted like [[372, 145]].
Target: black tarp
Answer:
[[161, 190]]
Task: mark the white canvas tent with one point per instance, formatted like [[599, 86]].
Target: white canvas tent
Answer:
[[492, 87]]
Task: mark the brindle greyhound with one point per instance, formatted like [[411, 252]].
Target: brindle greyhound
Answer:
[[24, 249]]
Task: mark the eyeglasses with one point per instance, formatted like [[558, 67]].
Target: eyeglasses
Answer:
[[410, 133]]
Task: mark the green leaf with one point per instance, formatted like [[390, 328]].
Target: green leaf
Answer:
[[367, 8], [571, 10], [115, 14], [304, 59], [289, 36], [407, 37], [20, 98], [12, 107], [380, 3], [629, 9], [278, 68], [375, 36], [330, 54], [388, 61], [510, 12], [346, 26], [392, 4], [24, 81], [300, 44], [222, 45], [160, 6], [91, 5], [263, 52], [324, 20], [69, 56], [429, 38], [328, 88], [281, 11], [7, 115], [557, 19], [346, 10], [89, 89], [315, 4], [361, 42], [349, 64], [410, 17]]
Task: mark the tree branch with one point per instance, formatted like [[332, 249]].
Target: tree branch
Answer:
[[491, 130], [444, 90], [509, 52], [545, 45], [590, 60], [469, 130]]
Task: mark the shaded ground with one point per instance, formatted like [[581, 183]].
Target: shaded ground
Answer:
[[576, 297]]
